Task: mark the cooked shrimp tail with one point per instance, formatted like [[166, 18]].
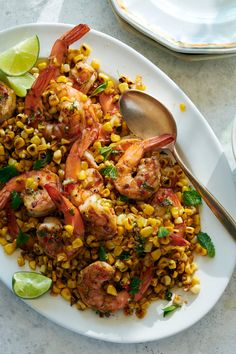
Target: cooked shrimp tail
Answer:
[[71, 213], [7, 102]]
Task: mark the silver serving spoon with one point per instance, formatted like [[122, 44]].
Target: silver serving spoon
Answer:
[[147, 117]]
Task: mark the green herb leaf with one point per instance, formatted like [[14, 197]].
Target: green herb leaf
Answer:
[[41, 233], [139, 246], [22, 238], [147, 186], [168, 295], [110, 171], [192, 197], [123, 198], [8, 172], [16, 200], [162, 232], [106, 151], [170, 309], [102, 254], [166, 202], [41, 163], [206, 242], [134, 285], [99, 89], [71, 211], [124, 255]]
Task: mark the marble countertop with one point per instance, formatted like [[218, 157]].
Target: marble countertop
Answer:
[[211, 86]]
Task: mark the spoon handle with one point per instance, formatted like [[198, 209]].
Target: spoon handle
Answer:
[[219, 211]]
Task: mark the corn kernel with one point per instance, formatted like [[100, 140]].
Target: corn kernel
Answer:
[[82, 175], [166, 280], [182, 107], [10, 248], [61, 257], [69, 229], [95, 64], [65, 265], [19, 124], [78, 58], [30, 183], [103, 76], [35, 140], [71, 284], [57, 155], [77, 243], [32, 149], [141, 222], [32, 265], [106, 192], [65, 68], [128, 224], [107, 127], [62, 79], [123, 87], [99, 158], [42, 65], [121, 265], [66, 294], [3, 241], [115, 138], [146, 231], [97, 145], [179, 220], [111, 290], [195, 289], [156, 254], [20, 261], [117, 251], [148, 210], [152, 221]]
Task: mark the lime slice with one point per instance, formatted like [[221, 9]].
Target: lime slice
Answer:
[[29, 285], [21, 58], [20, 84]]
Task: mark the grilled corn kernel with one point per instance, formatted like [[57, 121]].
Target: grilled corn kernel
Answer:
[[115, 138], [120, 230], [62, 79], [148, 209], [146, 231], [123, 87], [178, 220], [156, 254], [66, 294], [141, 222], [19, 142], [128, 224], [12, 162], [117, 251], [32, 265], [166, 280], [111, 290], [30, 183], [3, 241], [35, 140], [42, 65], [103, 76], [69, 229], [65, 68], [61, 257], [106, 192], [32, 149], [107, 127], [182, 107], [195, 289], [10, 248], [82, 175], [152, 221], [121, 265], [95, 64], [172, 264], [71, 284], [78, 58], [177, 300], [77, 243], [20, 261], [85, 49], [19, 124], [57, 155], [99, 158]]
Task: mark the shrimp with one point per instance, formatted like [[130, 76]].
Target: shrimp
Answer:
[[83, 76], [147, 170], [33, 104], [7, 102], [36, 199], [90, 288], [96, 211], [49, 233]]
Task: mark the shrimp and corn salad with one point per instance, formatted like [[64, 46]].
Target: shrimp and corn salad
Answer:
[[110, 218]]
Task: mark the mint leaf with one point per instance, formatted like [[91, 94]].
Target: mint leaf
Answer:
[[109, 171], [41, 163], [206, 242], [99, 89], [7, 173], [106, 151], [134, 285], [22, 238], [169, 309], [162, 232], [192, 197], [16, 200]]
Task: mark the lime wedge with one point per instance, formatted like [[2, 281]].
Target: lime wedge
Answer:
[[20, 84], [21, 58], [29, 285]]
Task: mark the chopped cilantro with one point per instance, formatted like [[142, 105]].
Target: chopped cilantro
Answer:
[[206, 242], [162, 232], [99, 89], [106, 151], [42, 233], [109, 171], [41, 163], [134, 285], [8, 172], [22, 238], [71, 211], [124, 255], [147, 186], [102, 254], [170, 309], [166, 202], [123, 198], [192, 197], [139, 246], [16, 200]]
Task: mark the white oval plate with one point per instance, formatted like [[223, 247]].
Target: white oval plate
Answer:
[[203, 26], [203, 153], [233, 138]]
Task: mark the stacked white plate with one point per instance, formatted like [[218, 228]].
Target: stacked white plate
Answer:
[[190, 27]]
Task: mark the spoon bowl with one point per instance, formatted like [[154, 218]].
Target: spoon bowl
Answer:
[[147, 117]]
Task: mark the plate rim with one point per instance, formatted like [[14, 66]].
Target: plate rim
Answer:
[[217, 146], [169, 41]]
